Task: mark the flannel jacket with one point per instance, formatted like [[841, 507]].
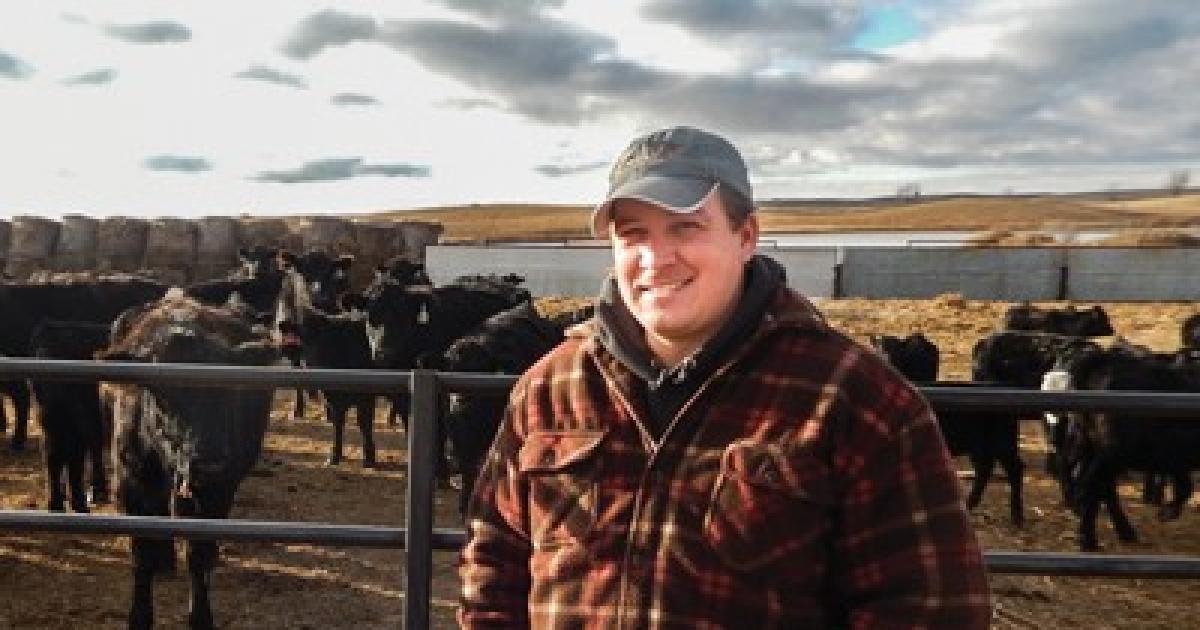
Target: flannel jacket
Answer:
[[804, 485]]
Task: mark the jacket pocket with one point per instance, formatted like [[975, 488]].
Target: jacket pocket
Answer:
[[561, 468], [768, 504]]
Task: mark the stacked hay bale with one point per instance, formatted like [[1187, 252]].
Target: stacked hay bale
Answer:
[[417, 236], [76, 247], [170, 249], [216, 247], [378, 243], [5, 242], [120, 244], [31, 246], [268, 233]]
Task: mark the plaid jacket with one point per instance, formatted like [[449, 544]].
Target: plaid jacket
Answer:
[[804, 485]]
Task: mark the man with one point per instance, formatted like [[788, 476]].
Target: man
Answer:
[[707, 452]]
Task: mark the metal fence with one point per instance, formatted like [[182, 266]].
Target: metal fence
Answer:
[[420, 539]]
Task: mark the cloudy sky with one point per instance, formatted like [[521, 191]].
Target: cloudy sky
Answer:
[[288, 106]]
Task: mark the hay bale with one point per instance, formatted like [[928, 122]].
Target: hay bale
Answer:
[[417, 236], [1149, 238], [76, 248], [171, 246], [333, 235], [120, 243], [378, 243], [268, 233], [216, 247], [32, 245], [5, 241]]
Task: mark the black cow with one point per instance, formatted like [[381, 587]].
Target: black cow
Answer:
[[983, 437], [405, 322], [1092, 322], [1097, 447], [327, 340], [23, 305], [508, 342], [326, 280], [1189, 332], [914, 356], [1004, 359], [182, 450], [73, 426], [256, 282]]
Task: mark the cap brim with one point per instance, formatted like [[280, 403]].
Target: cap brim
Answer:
[[675, 194]]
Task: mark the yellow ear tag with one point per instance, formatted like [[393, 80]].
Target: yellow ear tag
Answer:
[[423, 316]]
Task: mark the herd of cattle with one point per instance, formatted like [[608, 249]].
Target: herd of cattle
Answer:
[[1088, 452], [183, 451]]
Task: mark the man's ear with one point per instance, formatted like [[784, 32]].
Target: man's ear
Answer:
[[749, 235]]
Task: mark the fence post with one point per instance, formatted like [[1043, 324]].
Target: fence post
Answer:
[[418, 547]]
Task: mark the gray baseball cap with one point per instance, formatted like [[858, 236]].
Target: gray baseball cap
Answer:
[[676, 168]]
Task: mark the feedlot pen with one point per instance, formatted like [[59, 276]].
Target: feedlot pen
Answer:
[[317, 547]]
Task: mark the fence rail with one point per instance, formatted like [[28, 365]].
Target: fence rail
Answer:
[[420, 538]]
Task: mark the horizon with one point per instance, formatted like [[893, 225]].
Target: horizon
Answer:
[[290, 108]]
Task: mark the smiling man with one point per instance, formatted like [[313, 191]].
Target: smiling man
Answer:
[[707, 452]]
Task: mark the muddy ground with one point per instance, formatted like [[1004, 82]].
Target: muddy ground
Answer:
[[62, 581]]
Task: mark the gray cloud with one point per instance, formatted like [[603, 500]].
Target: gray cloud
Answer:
[[270, 75], [505, 10], [159, 32], [334, 169], [327, 28], [351, 98], [13, 68], [468, 104], [1087, 82], [177, 164], [95, 77], [562, 170]]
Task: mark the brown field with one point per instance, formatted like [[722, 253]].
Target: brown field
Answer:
[[61, 581], [1050, 212]]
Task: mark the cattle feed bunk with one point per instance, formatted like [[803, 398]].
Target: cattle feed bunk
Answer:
[[420, 539]]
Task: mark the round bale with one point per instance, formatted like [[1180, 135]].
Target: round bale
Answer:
[[216, 247], [76, 248], [32, 245], [171, 246], [417, 236], [120, 243]]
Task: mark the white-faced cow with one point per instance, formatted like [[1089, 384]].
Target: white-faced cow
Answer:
[[324, 338], [183, 450]]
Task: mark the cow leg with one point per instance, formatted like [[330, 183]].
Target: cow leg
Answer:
[[79, 503], [20, 400], [365, 415], [337, 417], [1015, 469], [202, 557], [983, 462], [141, 610], [1152, 489], [55, 463], [1107, 485], [1182, 484]]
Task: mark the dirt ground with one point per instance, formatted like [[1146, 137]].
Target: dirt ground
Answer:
[[61, 581]]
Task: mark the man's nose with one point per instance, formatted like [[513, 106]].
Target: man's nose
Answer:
[[656, 252]]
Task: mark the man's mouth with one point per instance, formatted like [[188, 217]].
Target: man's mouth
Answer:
[[663, 289]]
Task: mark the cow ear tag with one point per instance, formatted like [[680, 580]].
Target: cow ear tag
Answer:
[[423, 316]]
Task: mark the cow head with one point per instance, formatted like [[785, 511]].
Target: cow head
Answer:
[[397, 318], [258, 262]]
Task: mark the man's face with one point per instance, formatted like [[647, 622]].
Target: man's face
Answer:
[[679, 274]]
